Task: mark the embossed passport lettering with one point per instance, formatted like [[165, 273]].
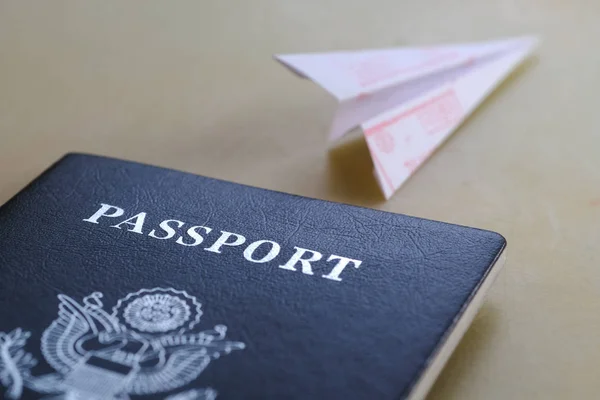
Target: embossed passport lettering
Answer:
[[129, 281]]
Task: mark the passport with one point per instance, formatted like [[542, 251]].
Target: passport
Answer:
[[121, 280]]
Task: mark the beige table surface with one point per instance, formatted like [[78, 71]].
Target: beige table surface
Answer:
[[191, 85]]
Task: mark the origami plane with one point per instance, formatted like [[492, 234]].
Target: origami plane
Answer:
[[408, 101]]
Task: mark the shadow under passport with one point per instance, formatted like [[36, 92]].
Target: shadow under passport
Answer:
[[462, 365], [350, 174]]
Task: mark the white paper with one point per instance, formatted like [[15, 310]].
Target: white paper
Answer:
[[408, 101]]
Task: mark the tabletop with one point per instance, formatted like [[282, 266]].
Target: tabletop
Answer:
[[192, 85]]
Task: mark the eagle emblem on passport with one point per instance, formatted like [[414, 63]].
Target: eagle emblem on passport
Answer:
[[148, 344]]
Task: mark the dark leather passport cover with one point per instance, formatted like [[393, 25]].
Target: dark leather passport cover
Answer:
[[91, 308]]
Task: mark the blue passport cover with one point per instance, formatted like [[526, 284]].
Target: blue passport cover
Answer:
[[127, 281]]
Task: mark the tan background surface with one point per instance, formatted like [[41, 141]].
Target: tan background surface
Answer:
[[191, 85]]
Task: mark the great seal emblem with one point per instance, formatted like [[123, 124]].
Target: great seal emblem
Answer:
[[147, 345], [158, 310]]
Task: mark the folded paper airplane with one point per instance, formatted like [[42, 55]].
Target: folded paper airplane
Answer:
[[408, 101]]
